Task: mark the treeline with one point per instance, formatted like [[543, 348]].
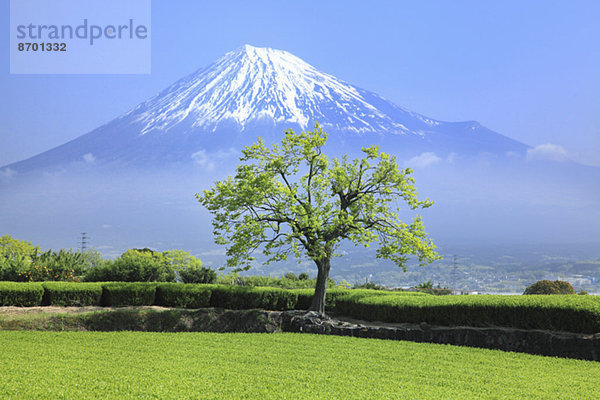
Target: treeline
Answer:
[[21, 261]]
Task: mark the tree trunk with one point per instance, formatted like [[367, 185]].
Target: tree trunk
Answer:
[[318, 301]]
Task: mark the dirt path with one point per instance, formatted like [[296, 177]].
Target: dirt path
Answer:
[[10, 310]]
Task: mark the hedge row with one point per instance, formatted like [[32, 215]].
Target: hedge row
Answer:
[[21, 294], [562, 313], [568, 313], [70, 294], [179, 295]]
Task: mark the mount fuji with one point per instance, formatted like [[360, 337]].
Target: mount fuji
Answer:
[[260, 91], [131, 182]]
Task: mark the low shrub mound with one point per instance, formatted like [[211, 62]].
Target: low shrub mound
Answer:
[[71, 294], [117, 294], [21, 294], [550, 287]]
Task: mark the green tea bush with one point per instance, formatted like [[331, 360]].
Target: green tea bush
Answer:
[[334, 296], [183, 295], [558, 313], [266, 281], [71, 294], [115, 294], [238, 298], [21, 294]]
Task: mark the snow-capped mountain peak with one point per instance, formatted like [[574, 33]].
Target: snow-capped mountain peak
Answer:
[[251, 84]]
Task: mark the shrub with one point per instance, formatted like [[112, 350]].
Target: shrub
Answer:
[[549, 287], [425, 285], [64, 265], [291, 276], [368, 285], [183, 295], [20, 294], [15, 258], [197, 275], [71, 294], [135, 265], [115, 294], [303, 276]]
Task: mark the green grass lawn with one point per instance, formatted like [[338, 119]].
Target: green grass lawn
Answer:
[[116, 365]]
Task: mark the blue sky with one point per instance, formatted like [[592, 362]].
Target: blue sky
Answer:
[[526, 69]]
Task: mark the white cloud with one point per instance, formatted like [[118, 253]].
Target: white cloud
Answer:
[[423, 160], [6, 174], [548, 151], [89, 158], [106, 226], [210, 160], [215, 252]]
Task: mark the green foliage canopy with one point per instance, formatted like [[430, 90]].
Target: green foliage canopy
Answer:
[[292, 199]]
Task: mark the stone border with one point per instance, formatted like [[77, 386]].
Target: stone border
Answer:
[[540, 342], [152, 318]]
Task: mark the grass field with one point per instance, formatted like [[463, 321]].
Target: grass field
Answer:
[[80, 365]]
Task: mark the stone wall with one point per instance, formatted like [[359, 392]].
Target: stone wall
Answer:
[[158, 319], [560, 344]]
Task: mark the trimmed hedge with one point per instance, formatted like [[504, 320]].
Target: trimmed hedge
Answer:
[[568, 313], [333, 296], [21, 294], [571, 313], [71, 294], [115, 294], [182, 295], [239, 298]]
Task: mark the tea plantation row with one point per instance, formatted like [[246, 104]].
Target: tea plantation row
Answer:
[[580, 314], [143, 365]]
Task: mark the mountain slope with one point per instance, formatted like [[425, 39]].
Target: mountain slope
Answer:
[[259, 91]]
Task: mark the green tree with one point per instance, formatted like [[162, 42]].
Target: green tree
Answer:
[[135, 265], [16, 257], [550, 287], [188, 268], [180, 259], [291, 199]]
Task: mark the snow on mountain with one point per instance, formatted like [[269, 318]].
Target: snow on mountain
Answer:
[[250, 84], [260, 91]]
